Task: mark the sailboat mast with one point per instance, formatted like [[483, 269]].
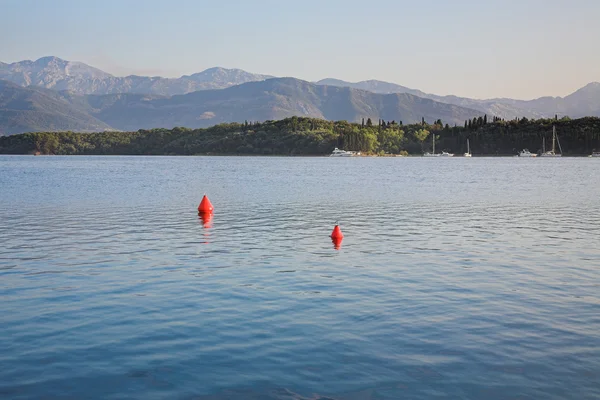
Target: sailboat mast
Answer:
[[468, 147], [543, 144], [553, 138], [433, 139]]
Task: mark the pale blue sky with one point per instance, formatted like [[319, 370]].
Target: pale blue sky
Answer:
[[510, 48]]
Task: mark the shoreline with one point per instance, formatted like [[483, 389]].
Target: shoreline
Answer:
[[289, 156]]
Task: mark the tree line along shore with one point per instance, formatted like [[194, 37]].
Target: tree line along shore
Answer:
[[310, 136]]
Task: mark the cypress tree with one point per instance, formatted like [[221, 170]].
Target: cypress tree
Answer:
[[485, 119]]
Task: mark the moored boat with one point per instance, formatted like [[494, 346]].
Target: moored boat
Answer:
[[551, 153], [526, 153], [343, 153]]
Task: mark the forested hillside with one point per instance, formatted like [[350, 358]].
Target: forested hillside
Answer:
[[309, 136]]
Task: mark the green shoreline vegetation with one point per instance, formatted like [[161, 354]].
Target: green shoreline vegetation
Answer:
[[310, 136]]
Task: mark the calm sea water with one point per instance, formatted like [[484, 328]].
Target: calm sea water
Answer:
[[457, 278]]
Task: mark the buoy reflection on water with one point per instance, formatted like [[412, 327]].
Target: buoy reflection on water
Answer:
[[206, 219]]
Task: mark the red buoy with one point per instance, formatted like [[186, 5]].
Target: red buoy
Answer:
[[336, 237], [205, 206], [337, 233]]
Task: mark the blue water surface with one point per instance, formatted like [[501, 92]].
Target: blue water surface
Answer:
[[457, 278]]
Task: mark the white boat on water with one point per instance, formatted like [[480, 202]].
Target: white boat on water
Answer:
[[595, 154], [526, 153], [446, 154], [468, 153], [343, 153], [551, 153]]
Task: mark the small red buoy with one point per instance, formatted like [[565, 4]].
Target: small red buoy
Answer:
[[337, 233], [205, 206], [336, 237]]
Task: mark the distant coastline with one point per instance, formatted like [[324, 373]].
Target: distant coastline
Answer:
[[298, 136]]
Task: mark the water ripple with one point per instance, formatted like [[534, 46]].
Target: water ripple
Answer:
[[456, 278]]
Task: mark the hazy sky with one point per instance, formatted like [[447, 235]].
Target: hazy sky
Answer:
[[475, 48]]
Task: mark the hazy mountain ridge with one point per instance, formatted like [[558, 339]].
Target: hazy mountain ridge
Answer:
[[276, 99], [372, 85], [105, 98], [35, 109], [58, 74], [581, 103], [272, 99]]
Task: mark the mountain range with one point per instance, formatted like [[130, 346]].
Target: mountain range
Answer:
[[27, 109], [58, 74], [31, 108], [582, 103], [55, 94]]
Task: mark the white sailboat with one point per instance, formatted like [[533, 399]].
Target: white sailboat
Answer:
[[428, 154], [468, 153], [551, 153]]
